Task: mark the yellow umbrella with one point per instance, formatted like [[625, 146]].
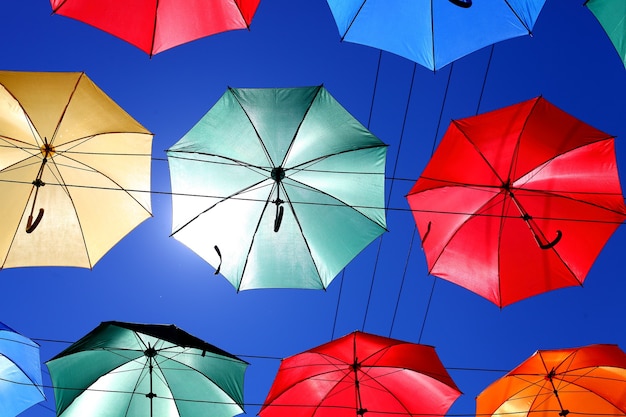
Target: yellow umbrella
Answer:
[[74, 170]]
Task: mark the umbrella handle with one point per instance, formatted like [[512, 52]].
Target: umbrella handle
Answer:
[[32, 225], [279, 217], [217, 271], [551, 244]]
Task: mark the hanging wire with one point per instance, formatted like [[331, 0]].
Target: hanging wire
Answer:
[[387, 208], [332, 337], [395, 167], [408, 257], [432, 289], [482, 90], [369, 121]]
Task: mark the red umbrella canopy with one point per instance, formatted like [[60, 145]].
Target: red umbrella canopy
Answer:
[[518, 201], [364, 374], [157, 25]]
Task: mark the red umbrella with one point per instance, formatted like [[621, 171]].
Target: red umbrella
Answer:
[[518, 201], [154, 26], [361, 374]]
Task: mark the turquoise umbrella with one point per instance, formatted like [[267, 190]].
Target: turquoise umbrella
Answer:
[[145, 370], [278, 187], [20, 373], [611, 14], [433, 33]]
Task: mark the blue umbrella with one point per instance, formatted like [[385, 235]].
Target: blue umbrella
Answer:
[[20, 372], [433, 33]]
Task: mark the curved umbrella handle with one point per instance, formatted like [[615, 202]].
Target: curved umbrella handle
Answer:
[[217, 271], [32, 225], [279, 217], [549, 245]]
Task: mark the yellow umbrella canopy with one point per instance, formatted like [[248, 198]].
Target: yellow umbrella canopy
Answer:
[[74, 170]]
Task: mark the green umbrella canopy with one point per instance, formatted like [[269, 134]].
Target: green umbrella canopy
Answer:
[[278, 187], [611, 14], [140, 370]]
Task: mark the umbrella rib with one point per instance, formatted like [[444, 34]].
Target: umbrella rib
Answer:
[[304, 238], [233, 161], [577, 200], [59, 6], [578, 377], [478, 151], [23, 371], [236, 193], [258, 136], [208, 378], [154, 27], [256, 229], [24, 211], [518, 17], [78, 218], [300, 166], [432, 32], [306, 112], [63, 113], [241, 13], [343, 35], [342, 203], [545, 164], [31, 125], [343, 370], [92, 169], [570, 359]]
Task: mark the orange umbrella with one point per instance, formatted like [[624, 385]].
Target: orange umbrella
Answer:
[[586, 381]]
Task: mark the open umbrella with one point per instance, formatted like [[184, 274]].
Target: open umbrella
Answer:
[[155, 26], [20, 373], [74, 170], [611, 14], [433, 33], [278, 187], [584, 381], [518, 201], [361, 374], [140, 370]]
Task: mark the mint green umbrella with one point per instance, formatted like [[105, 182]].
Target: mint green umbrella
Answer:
[[278, 187], [145, 370], [611, 14]]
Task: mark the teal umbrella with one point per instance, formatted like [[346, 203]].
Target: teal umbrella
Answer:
[[20, 373], [145, 370], [278, 188], [611, 14]]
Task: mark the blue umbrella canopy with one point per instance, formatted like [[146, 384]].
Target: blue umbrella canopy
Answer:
[[20, 372], [433, 33]]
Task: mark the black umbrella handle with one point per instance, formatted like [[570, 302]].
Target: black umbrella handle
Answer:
[[30, 224], [532, 226], [279, 217]]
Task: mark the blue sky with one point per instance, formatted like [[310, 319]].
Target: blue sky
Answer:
[[149, 277]]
